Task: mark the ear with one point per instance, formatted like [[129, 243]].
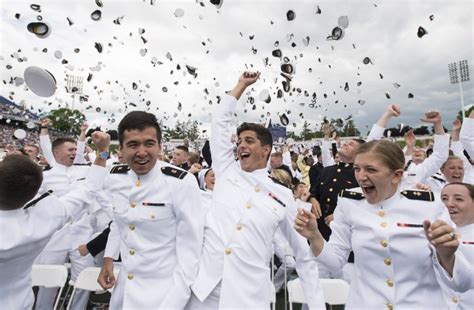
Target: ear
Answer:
[[397, 176], [267, 149]]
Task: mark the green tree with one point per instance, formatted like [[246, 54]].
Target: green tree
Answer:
[[67, 120], [350, 130], [306, 132], [182, 129], [466, 112]]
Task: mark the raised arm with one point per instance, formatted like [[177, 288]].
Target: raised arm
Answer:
[[326, 146], [467, 134], [45, 141], [81, 145], [222, 148], [440, 148], [376, 133]]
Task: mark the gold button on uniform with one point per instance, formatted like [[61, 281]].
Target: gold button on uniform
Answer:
[[227, 251], [138, 183], [257, 189], [334, 180], [130, 276], [238, 226], [328, 200], [387, 261], [454, 299], [384, 243], [383, 224], [381, 213], [338, 170], [330, 189], [133, 205], [389, 306], [152, 216], [132, 252], [131, 226], [248, 206], [389, 283]]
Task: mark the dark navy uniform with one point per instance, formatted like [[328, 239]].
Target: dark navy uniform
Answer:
[[331, 181]]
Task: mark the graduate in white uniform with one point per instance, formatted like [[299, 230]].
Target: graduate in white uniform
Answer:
[[405, 249], [459, 200], [157, 223], [65, 174], [26, 228], [247, 208], [467, 134]]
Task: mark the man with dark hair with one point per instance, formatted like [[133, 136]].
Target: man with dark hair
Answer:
[[157, 223], [19, 182], [27, 227], [180, 157], [246, 210]]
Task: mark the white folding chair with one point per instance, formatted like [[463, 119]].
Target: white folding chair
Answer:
[[50, 276], [335, 292], [295, 293], [87, 280]]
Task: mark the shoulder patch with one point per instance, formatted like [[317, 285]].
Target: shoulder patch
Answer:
[[78, 164], [174, 172], [277, 182], [34, 202], [351, 195], [418, 195], [439, 179], [122, 169]]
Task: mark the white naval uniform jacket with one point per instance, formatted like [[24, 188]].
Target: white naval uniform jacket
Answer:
[[464, 300], [246, 210], [25, 232], [395, 266], [160, 222], [431, 165], [61, 180]]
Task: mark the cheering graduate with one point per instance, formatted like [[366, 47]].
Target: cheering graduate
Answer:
[[405, 249]]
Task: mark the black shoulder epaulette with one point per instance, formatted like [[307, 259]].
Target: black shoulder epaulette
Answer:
[[351, 195], [418, 195], [177, 173], [46, 168], [33, 202], [438, 179], [123, 169], [79, 164], [277, 181]]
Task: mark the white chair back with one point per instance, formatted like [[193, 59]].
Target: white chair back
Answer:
[[335, 291], [50, 276], [87, 280]]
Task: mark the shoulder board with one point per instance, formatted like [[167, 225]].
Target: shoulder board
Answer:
[[122, 169], [78, 164], [47, 168], [418, 195], [33, 202], [277, 182], [351, 195], [177, 173], [438, 179]]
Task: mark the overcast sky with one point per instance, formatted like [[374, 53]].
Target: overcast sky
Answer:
[[221, 43]]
